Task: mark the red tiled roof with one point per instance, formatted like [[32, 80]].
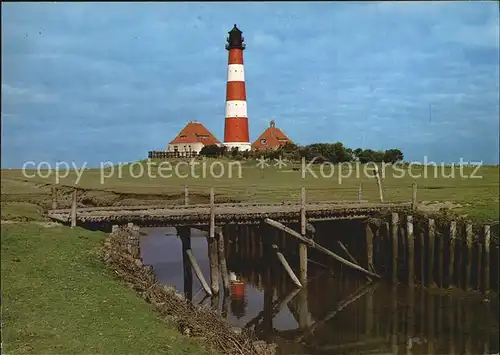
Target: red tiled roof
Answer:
[[195, 132], [272, 138]]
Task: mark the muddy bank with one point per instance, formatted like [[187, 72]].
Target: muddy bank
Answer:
[[121, 253]]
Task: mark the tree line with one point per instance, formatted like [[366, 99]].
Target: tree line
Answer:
[[319, 152]]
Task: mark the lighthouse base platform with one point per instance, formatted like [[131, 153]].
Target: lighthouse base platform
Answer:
[[242, 146]]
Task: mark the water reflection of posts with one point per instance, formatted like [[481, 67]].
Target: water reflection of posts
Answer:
[[369, 313], [394, 322], [410, 319], [370, 287], [451, 325], [185, 235], [430, 324], [468, 323], [268, 306]]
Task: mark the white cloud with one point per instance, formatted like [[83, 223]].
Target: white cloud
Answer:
[[33, 95]]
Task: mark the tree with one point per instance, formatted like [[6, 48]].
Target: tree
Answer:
[[234, 152], [393, 156], [212, 150]]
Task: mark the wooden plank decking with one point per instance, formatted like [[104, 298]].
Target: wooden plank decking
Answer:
[[227, 213]]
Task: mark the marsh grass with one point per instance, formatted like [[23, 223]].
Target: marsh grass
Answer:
[[58, 298]]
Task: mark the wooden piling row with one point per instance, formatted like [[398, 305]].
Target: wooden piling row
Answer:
[[444, 260]]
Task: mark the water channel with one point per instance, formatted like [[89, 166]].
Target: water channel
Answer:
[[338, 313]]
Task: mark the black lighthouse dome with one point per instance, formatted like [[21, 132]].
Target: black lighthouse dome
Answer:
[[235, 39]]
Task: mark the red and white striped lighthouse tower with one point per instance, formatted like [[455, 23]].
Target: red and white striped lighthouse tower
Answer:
[[236, 122]]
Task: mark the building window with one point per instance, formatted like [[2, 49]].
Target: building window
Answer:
[[263, 141]]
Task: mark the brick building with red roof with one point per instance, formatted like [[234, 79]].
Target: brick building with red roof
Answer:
[[272, 138], [191, 139]]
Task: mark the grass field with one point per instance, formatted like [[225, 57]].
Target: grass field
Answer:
[[58, 298], [476, 197]]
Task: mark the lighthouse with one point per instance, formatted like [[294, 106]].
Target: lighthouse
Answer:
[[236, 120]]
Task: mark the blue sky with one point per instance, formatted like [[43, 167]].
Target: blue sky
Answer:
[[110, 81]]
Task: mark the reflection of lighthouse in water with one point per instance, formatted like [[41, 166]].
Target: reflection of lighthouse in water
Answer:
[[238, 301]]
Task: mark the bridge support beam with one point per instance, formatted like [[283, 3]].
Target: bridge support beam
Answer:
[[185, 235], [213, 247]]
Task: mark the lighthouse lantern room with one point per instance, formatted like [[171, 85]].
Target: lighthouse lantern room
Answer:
[[236, 133]]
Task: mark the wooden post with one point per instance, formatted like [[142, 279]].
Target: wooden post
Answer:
[[185, 235], [468, 266], [197, 272], [422, 257], [440, 260], [451, 262], [387, 249], [431, 240], [73, 210], [303, 308], [54, 197], [302, 246], [212, 213], [287, 267], [212, 247], [186, 195], [395, 221], [360, 191], [411, 250], [369, 247], [379, 183], [479, 266], [487, 239], [214, 264], [222, 262], [414, 196]]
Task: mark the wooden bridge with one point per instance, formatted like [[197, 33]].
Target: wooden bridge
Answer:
[[225, 213]]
